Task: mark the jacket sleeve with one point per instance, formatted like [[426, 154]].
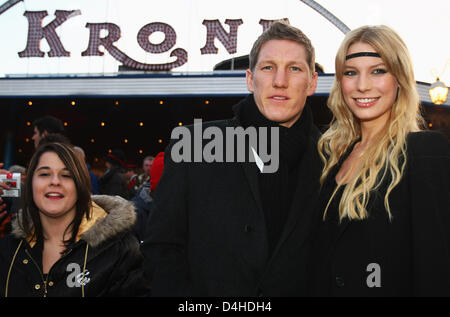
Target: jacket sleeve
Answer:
[[429, 166], [128, 278], [165, 244]]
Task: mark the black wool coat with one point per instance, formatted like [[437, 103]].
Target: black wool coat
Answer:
[[114, 183], [407, 256], [207, 233]]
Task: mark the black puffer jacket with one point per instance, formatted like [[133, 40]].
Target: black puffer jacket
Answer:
[[143, 203], [106, 251], [114, 183]]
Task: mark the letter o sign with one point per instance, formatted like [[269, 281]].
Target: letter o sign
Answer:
[[143, 37]]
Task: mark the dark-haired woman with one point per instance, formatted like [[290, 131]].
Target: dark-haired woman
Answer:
[[63, 242]]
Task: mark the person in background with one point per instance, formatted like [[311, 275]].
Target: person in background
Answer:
[[156, 172], [143, 200], [94, 180], [65, 242], [45, 125], [145, 176], [383, 221], [131, 177], [54, 137], [113, 182]]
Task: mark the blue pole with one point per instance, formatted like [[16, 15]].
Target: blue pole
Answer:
[[9, 150], [10, 137]]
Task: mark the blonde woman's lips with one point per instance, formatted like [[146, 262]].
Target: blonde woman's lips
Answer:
[[365, 102]]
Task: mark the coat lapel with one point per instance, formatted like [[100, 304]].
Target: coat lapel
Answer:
[[344, 224], [251, 173], [304, 198], [342, 228]]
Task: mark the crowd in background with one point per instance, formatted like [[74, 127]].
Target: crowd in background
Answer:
[[122, 177], [121, 198]]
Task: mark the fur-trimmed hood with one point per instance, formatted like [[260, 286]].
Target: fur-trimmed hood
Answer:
[[121, 216], [110, 215]]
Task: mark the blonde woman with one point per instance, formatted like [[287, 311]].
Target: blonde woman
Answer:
[[384, 209]]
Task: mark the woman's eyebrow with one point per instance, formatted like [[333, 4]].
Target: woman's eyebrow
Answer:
[[371, 66], [47, 168], [42, 167]]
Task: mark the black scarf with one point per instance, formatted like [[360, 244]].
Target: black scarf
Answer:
[[277, 189]]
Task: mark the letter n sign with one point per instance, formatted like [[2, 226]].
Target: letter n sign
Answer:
[[215, 30]]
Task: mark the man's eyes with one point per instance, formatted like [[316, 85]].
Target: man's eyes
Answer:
[[292, 68]]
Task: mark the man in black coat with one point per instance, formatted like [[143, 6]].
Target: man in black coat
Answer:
[[229, 219], [113, 182]]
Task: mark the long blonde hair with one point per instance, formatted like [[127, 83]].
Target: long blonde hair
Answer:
[[387, 153]]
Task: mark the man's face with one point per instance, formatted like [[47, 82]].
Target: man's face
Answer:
[[37, 136], [281, 81], [129, 174], [147, 165]]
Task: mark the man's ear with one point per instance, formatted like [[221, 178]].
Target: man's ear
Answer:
[[249, 80], [44, 133], [313, 84]]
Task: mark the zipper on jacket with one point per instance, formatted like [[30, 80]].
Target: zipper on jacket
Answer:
[[44, 281]]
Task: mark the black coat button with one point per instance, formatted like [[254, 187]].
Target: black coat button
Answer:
[[248, 228], [339, 281]]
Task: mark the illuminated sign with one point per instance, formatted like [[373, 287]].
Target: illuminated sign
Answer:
[[215, 30]]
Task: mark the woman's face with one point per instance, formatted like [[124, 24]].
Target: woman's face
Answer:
[[369, 89], [54, 190]]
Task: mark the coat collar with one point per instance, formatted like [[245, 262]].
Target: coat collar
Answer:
[[110, 215]]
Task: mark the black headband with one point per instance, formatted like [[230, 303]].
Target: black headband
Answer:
[[373, 54]]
